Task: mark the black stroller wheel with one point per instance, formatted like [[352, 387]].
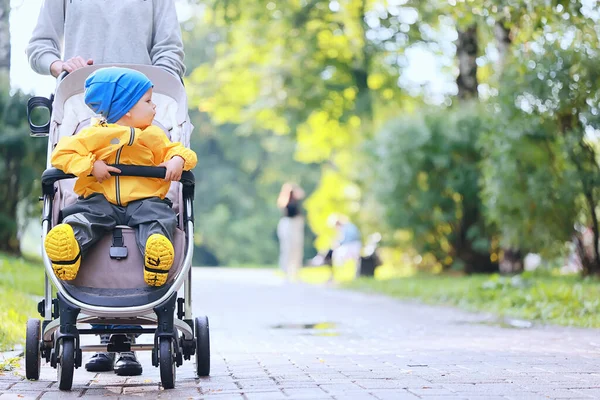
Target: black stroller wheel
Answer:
[[202, 346], [33, 357], [166, 360], [66, 364]]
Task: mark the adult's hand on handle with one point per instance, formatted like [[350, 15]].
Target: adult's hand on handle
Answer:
[[70, 65]]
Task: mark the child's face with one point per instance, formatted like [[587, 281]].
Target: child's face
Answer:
[[143, 112]]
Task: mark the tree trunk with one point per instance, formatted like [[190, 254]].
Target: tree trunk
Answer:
[[466, 52], [503, 42], [591, 261], [361, 69], [4, 36], [589, 253], [512, 259], [9, 241], [474, 260]]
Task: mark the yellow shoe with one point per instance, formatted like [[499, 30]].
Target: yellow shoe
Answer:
[[63, 250], [158, 259]]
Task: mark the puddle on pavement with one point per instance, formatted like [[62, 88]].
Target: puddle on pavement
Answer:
[[316, 329], [508, 323]]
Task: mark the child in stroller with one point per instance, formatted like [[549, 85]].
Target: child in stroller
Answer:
[[123, 97]]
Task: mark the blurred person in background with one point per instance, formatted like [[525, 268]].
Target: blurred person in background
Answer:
[[290, 230], [345, 247], [348, 244]]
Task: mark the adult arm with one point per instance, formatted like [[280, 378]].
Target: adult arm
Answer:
[[167, 45], [45, 45]]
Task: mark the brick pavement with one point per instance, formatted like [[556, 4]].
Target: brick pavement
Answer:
[[265, 346]]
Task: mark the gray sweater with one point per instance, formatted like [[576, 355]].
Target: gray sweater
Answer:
[[108, 32]]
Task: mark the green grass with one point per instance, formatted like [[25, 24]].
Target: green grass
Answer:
[[538, 296], [21, 287]]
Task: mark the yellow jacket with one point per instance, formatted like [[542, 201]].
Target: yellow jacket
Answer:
[[117, 144]]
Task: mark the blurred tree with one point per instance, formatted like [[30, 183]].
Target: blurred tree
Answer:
[[239, 175], [546, 141], [320, 71], [20, 165], [22, 161], [430, 186], [5, 36]]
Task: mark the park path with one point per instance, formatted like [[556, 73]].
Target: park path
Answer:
[[276, 340]]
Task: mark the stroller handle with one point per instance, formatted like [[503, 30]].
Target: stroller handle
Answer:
[[51, 175]]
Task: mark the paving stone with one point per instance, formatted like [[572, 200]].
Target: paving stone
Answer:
[[59, 395], [354, 396], [566, 394], [107, 391], [206, 387], [20, 396], [140, 389], [307, 394], [30, 386], [394, 394], [275, 395], [431, 392], [177, 394]]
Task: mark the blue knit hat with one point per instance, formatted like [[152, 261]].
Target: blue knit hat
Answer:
[[112, 92]]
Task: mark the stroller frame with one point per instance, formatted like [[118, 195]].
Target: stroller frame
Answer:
[[57, 337]]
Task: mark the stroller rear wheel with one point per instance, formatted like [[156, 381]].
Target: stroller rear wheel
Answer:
[[166, 360], [66, 363], [33, 357], [202, 346]]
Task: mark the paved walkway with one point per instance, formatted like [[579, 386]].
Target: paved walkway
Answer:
[[275, 340]]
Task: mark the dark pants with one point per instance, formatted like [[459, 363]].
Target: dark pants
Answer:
[[93, 216]]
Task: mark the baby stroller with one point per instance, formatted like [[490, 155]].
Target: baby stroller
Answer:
[[109, 288]]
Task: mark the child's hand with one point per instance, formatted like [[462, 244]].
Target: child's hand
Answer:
[[101, 171], [174, 168]]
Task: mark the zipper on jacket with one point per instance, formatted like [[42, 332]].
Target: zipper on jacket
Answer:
[[117, 159], [131, 137], [117, 182]]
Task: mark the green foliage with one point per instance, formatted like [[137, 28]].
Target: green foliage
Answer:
[[540, 174], [304, 70], [429, 183], [562, 300], [21, 282], [518, 171], [240, 171], [22, 161]]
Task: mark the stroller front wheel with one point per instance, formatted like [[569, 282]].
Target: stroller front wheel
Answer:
[[167, 363], [66, 364], [202, 346], [33, 357]]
